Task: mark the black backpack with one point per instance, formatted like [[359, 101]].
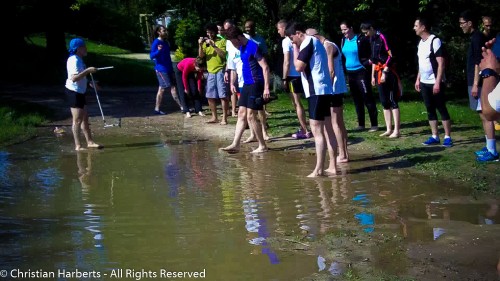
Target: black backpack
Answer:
[[445, 56]]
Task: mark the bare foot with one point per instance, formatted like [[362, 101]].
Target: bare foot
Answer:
[[234, 114], [188, 115], [250, 139], [260, 150], [387, 133], [342, 159], [395, 135], [201, 113], [315, 174], [223, 122], [331, 172], [212, 121], [231, 149], [266, 137], [94, 145], [79, 148]]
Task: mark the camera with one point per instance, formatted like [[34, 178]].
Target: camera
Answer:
[[205, 39]]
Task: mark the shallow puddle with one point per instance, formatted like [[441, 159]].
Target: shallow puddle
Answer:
[[150, 205]]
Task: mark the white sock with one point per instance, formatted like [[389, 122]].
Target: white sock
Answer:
[[447, 137], [491, 145], [436, 137]]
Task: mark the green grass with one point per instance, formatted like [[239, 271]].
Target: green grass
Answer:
[[18, 122], [92, 46], [456, 164]]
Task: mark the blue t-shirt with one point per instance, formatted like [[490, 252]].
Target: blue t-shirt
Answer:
[[250, 56], [162, 59], [350, 51]]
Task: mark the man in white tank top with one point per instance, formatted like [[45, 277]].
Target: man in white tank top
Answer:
[[339, 89]]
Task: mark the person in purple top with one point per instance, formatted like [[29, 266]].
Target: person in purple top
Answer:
[[255, 90], [160, 54]]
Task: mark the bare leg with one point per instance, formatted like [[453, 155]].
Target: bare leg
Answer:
[[213, 108], [159, 97], [225, 109], [331, 141], [77, 114], [434, 127], [301, 115], [86, 131], [234, 100], [253, 122], [447, 127], [488, 127], [397, 123], [173, 91], [340, 133], [319, 141], [263, 123], [388, 123], [238, 132]]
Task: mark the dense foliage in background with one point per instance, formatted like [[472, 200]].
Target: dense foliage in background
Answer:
[[118, 23]]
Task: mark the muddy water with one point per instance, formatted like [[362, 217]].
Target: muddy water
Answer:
[[147, 206]]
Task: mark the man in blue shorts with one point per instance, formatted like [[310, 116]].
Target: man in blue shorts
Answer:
[[255, 89]]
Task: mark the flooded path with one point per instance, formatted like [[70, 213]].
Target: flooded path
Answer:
[[150, 203]]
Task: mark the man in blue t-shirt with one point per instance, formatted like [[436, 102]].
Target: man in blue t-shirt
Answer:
[[255, 90], [160, 54]]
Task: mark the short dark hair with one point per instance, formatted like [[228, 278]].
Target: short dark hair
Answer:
[[233, 32], [468, 15], [425, 22], [366, 25], [199, 62], [212, 27], [158, 27], [293, 27]]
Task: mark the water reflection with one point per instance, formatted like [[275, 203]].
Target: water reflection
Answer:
[[186, 206]]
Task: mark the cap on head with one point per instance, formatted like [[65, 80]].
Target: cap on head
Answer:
[[74, 44]]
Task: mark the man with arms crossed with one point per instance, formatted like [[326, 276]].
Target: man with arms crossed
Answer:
[[292, 83]]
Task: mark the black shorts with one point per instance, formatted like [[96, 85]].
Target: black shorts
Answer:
[[251, 96], [319, 107], [74, 99], [337, 100], [295, 84]]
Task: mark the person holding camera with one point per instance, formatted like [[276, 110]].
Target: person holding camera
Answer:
[[255, 92], [213, 49]]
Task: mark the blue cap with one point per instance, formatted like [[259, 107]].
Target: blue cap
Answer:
[[74, 44]]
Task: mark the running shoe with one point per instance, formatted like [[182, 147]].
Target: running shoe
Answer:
[[447, 142], [299, 135], [487, 157], [481, 152], [159, 112], [431, 141]]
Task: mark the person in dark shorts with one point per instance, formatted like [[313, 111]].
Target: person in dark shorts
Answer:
[[255, 90], [75, 90]]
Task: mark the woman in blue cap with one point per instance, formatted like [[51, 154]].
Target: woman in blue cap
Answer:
[[76, 87]]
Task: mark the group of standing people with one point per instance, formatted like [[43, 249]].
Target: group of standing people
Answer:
[[313, 66]]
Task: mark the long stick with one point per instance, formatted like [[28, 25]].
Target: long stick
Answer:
[[97, 96], [106, 67]]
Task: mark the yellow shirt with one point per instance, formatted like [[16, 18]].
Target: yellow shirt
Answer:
[[215, 63]]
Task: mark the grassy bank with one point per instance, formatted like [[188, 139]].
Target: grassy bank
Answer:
[[457, 164], [18, 121]]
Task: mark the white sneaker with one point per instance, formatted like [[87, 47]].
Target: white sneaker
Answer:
[[188, 114], [201, 113]]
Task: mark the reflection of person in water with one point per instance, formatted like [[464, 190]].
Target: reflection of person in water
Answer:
[[256, 222], [84, 169], [84, 164]]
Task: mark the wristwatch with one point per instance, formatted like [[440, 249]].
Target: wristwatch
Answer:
[[487, 72]]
